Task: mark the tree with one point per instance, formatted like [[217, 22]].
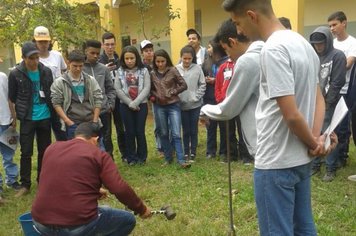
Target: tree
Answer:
[[69, 24], [143, 6]]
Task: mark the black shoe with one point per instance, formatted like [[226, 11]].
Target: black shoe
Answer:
[[329, 176], [15, 186], [315, 170], [210, 156]]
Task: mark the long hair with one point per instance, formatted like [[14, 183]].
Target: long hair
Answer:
[[189, 49], [133, 50], [161, 53]]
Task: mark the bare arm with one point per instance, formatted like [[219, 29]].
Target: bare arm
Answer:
[[319, 113], [349, 62]]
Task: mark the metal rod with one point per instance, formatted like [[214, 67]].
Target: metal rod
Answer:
[[232, 228]]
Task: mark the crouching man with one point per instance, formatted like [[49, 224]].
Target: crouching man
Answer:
[[72, 175]]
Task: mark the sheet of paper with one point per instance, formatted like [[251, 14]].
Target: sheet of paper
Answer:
[[339, 114], [10, 138]]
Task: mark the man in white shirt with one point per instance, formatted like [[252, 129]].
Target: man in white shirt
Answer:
[[53, 60], [347, 44], [289, 116]]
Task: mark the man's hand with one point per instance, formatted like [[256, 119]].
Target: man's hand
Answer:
[[333, 142], [146, 214], [204, 120], [209, 80], [111, 66], [13, 123], [103, 193], [320, 150]]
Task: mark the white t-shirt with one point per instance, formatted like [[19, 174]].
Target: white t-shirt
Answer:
[[348, 46], [55, 62], [201, 55], [289, 66], [5, 114]]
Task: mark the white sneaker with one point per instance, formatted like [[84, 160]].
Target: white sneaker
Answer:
[[352, 178]]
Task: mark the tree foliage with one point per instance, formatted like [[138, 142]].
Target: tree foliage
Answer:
[[143, 6], [69, 24]]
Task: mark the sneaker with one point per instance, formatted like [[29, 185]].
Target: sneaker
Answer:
[[15, 186], [186, 157], [329, 176], [352, 178], [185, 165], [210, 156], [166, 163], [22, 192], [315, 170], [192, 158]]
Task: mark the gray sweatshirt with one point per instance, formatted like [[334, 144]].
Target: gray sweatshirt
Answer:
[[242, 95], [195, 80], [103, 76]]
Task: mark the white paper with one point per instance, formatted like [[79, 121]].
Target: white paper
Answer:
[[339, 114], [10, 138]]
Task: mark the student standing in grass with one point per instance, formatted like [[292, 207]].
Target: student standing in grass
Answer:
[[289, 116], [191, 99], [132, 86], [166, 84]]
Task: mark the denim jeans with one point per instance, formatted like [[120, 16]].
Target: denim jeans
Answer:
[[110, 222], [135, 123], [190, 119], [283, 199], [28, 130], [11, 170], [169, 119]]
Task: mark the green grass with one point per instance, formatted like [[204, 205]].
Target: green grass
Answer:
[[199, 196]]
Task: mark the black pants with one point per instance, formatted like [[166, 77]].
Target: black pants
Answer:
[[28, 130], [106, 132], [120, 131]]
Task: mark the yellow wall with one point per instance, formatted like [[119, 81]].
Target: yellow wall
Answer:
[[317, 11], [212, 16], [292, 9]]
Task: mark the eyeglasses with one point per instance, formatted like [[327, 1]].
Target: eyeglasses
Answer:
[[109, 44]]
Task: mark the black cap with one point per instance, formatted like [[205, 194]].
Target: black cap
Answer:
[[193, 31], [317, 37], [28, 49]]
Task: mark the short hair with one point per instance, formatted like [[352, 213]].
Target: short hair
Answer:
[[240, 6], [162, 53], [76, 55], [92, 43], [107, 35], [133, 50], [217, 48], [189, 49], [285, 22], [228, 30], [87, 130], [339, 15]]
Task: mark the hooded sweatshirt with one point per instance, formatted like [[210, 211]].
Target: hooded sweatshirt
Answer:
[[332, 73], [104, 78], [195, 80], [242, 95]]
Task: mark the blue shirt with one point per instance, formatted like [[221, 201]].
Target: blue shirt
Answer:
[[40, 110]]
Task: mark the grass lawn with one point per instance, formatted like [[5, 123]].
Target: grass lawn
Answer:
[[199, 196]]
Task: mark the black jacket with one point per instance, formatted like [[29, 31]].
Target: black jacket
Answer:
[[20, 89]]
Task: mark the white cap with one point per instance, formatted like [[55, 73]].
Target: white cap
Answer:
[[41, 33], [145, 43]]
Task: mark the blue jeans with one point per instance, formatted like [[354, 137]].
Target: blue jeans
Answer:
[[135, 123], [190, 119], [110, 222], [11, 170], [169, 119], [283, 200]]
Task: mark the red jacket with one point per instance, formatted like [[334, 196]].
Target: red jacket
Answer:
[[72, 173], [222, 80]]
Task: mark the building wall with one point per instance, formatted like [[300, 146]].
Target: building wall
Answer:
[[317, 12]]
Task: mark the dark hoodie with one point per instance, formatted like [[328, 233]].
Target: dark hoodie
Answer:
[[332, 73]]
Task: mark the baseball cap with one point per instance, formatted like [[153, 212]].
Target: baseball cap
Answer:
[[41, 33], [317, 37], [29, 48], [145, 43], [193, 31]]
